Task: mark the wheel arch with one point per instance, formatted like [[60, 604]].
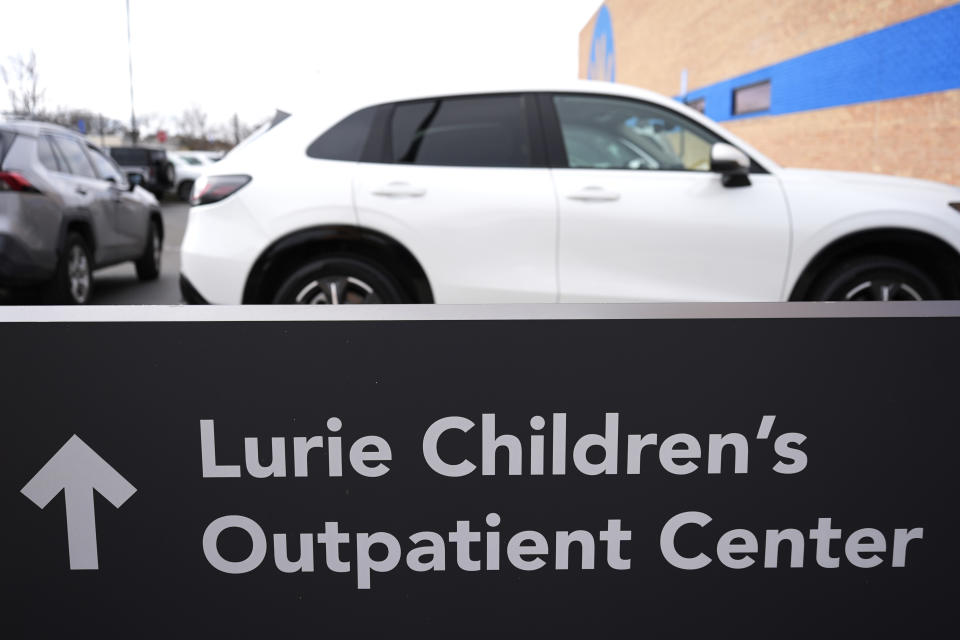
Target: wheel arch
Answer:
[[292, 249], [78, 225], [933, 255]]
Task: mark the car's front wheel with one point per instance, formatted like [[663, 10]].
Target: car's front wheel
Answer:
[[876, 278], [148, 266], [73, 282], [340, 279]]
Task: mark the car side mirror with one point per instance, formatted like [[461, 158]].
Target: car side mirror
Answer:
[[134, 179], [733, 164]]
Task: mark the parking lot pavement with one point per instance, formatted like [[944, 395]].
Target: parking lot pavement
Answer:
[[119, 284]]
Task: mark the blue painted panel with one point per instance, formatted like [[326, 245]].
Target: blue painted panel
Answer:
[[918, 56], [603, 64]]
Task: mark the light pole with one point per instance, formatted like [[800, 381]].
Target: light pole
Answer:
[[133, 118]]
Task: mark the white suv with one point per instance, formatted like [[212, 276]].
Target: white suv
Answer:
[[590, 192]]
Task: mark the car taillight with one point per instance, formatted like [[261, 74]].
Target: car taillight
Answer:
[[13, 181], [210, 189]]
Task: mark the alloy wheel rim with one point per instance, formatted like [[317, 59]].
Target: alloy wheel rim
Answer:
[[78, 272], [337, 290], [882, 291]]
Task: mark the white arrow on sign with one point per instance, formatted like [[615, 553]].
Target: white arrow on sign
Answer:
[[77, 470]]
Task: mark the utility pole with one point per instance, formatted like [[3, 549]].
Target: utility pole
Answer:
[[134, 134]]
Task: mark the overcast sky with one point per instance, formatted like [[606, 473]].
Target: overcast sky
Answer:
[[249, 56]]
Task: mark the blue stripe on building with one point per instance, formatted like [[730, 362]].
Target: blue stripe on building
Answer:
[[921, 55]]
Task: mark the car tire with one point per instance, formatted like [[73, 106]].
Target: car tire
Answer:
[[338, 279], [875, 278], [73, 282], [148, 266], [169, 174], [184, 189]]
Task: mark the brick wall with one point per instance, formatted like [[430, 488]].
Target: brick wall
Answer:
[[655, 39]]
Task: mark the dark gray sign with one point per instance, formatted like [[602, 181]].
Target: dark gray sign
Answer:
[[620, 475]]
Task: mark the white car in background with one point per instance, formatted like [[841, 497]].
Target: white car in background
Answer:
[[587, 192], [187, 168]]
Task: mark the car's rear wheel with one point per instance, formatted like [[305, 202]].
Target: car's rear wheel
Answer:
[[183, 191], [148, 266], [73, 283], [169, 173], [339, 279], [876, 278]]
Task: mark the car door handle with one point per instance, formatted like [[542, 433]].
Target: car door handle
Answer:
[[594, 194], [81, 191], [400, 190]]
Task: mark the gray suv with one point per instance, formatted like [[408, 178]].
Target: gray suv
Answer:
[[67, 209]]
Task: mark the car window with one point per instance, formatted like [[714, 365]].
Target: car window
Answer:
[[105, 167], [344, 140], [618, 133], [482, 131], [76, 160], [130, 157], [46, 154], [191, 160], [6, 141]]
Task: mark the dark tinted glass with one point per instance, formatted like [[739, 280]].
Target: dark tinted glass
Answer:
[[105, 168], [46, 154], [6, 140], [485, 131], [72, 152], [753, 98], [131, 157], [344, 140]]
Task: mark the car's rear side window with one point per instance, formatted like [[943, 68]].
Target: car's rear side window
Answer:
[[46, 154], [344, 140], [473, 131], [72, 153]]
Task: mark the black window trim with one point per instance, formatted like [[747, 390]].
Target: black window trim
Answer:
[[557, 152], [380, 143], [733, 98]]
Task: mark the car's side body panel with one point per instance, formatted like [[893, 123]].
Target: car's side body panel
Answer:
[[481, 234], [658, 241]]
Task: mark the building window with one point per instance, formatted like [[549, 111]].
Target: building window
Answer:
[[752, 98], [700, 104]]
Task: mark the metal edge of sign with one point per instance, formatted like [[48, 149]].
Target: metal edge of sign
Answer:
[[546, 311]]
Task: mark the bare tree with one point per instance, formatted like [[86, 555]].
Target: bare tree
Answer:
[[23, 84], [239, 129], [193, 123]]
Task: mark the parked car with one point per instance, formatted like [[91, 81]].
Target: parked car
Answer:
[[157, 173], [67, 209], [587, 192], [208, 157], [187, 168]]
